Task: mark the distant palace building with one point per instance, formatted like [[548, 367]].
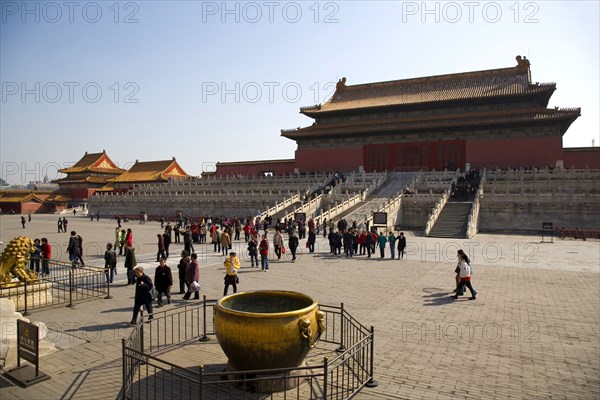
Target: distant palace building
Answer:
[[491, 118], [89, 174], [146, 173]]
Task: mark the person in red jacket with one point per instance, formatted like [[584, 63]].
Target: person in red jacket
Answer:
[[46, 255], [263, 249]]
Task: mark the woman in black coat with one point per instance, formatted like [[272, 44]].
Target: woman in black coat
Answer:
[[163, 280], [143, 285]]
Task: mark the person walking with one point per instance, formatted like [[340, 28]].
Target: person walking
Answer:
[[401, 245], [264, 253], [60, 225], [187, 240], [216, 240], [232, 264], [81, 250], [167, 243], [277, 243], [392, 241], [129, 238], [110, 263], [192, 278], [225, 242], [381, 242], [143, 286], [368, 243], [46, 256], [253, 251], [117, 239], [312, 238], [181, 267], [293, 243], [65, 223], [457, 269], [73, 249], [130, 264], [122, 237], [161, 248], [465, 277], [163, 280], [34, 259], [23, 220]]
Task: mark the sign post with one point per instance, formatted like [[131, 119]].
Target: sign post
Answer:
[[548, 230], [380, 219], [28, 348]]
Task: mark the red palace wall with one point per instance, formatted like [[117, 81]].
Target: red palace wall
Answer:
[[329, 160], [523, 152], [255, 169], [581, 159]]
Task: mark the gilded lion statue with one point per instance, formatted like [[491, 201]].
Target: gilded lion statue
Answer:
[[14, 261]]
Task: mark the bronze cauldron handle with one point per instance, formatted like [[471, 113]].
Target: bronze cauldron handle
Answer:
[[306, 332], [320, 315]]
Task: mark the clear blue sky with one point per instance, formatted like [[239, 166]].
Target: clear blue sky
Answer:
[[214, 81]]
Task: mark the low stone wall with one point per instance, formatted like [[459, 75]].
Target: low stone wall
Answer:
[[36, 294], [529, 217]]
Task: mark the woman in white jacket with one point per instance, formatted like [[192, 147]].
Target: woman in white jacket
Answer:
[[465, 277]]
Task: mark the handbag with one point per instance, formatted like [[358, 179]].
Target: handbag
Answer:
[[283, 249], [307, 245], [194, 287], [154, 293]]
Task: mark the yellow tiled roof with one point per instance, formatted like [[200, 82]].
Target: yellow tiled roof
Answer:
[[152, 171], [93, 162], [461, 86]]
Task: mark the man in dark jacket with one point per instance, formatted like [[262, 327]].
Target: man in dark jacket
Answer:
[[293, 244], [183, 263], [110, 263], [401, 245], [74, 248], [143, 297], [163, 280], [167, 242]]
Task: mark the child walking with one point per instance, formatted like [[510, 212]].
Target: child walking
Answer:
[[232, 264]]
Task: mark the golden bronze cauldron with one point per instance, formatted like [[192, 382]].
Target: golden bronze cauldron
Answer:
[[267, 329]]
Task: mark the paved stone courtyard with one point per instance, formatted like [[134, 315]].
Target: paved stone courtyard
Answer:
[[533, 331]]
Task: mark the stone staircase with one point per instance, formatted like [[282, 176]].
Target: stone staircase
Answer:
[[452, 222], [395, 183]]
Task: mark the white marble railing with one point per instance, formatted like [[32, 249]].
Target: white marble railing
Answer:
[[473, 221], [281, 206], [436, 211], [309, 208], [541, 174], [340, 208]]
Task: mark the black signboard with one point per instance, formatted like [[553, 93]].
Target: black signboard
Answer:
[[379, 219], [27, 341], [300, 217], [28, 347], [547, 230]]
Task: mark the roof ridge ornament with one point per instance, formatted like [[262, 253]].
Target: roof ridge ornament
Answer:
[[340, 86], [522, 63]]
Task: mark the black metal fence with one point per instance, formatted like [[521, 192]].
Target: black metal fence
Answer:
[[64, 285], [147, 374]]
